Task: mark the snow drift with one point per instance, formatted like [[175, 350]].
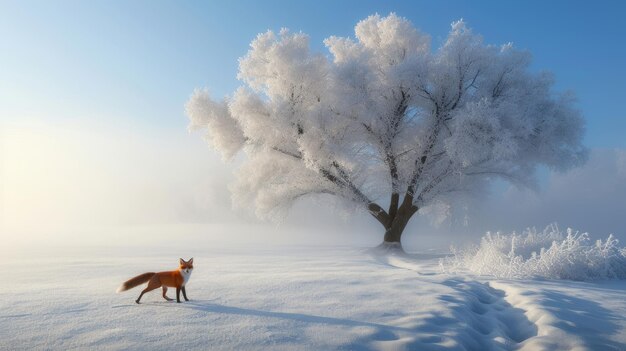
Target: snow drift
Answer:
[[550, 254]]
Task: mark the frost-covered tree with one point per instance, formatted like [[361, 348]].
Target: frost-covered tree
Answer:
[[384, 121]]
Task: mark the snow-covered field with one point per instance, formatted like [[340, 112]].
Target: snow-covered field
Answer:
[[295, 298]]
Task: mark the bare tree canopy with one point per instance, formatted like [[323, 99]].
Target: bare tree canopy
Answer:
[[386, 122]]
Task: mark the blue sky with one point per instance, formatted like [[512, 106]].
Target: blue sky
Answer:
[[138, 61], [92, 94]]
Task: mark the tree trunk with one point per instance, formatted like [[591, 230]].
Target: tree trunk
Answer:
[[392, 235], [393, 232]]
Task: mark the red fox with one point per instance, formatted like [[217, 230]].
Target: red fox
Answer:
[[174, 279]]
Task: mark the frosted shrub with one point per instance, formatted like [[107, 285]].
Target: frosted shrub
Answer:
[[550, 254]]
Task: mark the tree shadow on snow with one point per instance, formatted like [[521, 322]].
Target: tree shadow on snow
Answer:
[[209, 307], [377, 333]]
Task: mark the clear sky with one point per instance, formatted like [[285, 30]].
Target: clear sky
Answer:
[[139, 60], [95, 90]]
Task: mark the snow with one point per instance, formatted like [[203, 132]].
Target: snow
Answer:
[[295, 298]]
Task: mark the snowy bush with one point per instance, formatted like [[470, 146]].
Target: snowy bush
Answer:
[[550, 254]]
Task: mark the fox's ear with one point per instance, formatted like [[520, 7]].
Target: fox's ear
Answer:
[[181, 261], [190, 261]]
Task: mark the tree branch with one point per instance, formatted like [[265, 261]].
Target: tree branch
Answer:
[[434, 182], [420, 162], [343, 181], [288, 153]]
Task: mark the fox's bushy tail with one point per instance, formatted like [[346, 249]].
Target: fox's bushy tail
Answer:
[[133, 282]]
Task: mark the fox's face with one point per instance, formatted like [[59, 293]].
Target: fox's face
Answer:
[[186, 267]]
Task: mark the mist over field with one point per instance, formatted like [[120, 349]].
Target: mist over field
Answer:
[[165, 193]]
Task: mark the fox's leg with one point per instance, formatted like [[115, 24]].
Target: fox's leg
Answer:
[[177, 294], [152, 284], [184, 293], [165, 292]]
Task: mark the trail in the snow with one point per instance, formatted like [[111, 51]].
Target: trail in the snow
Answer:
[[506, 326], [486, 319], [566, 321]]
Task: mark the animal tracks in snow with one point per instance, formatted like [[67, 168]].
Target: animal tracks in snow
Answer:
[[490, 314], [476, 316]]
